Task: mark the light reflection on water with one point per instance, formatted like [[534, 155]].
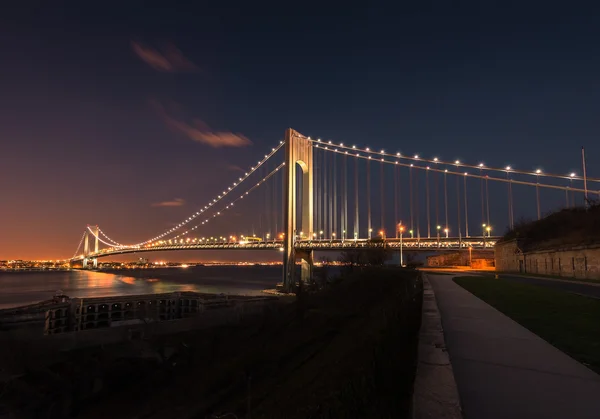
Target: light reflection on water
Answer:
[[30, 287]]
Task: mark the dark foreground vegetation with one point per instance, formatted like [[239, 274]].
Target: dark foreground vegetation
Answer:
[[348, 350], [569, 226], [567, 321]]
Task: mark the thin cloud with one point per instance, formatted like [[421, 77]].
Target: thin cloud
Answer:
[[168, 60], [200, 132], [177, 202], [234, 168]]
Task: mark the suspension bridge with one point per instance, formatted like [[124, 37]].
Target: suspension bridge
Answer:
[[313, 195]]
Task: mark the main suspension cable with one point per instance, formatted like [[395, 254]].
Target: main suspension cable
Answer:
[[79, 246]]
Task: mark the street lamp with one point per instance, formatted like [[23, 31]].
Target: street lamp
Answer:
[[470, 256], [571, 176], [488, 229], [332, 236], [370, 231], [537, 192], [382, 234], [343, 235], [483, 229], [446, 230], [401, 230], [411, 234], [321, 233]]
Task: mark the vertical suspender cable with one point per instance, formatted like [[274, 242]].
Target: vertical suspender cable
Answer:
[[482, 198], [446, 197], [427, 193], [260, 216], [510, 208], [399, 195], [410, 194], [345, 226], [369, 198], [417, 214], [316, 169], [268, 202], [335, 192], [325, 195], [396, 200], [276, 201], [382, 203], [356, 208], [466, 207], [437, 206], [321, 188], [331, 226], [487, 198], [458, 207]]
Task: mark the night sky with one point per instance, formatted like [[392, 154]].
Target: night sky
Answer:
[[108, 112]]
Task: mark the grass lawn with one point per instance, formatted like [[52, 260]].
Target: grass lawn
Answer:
[[570, 322], [564, 278]]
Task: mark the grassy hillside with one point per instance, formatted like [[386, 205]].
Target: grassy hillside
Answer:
[[567, 227]]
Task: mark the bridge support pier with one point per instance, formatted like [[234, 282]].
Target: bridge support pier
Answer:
[[85, 263], [298, 150], [307, 264], [95, 263]]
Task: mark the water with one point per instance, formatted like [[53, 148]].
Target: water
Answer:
[[31, 287]]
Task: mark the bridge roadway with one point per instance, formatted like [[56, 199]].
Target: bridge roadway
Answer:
[[422, 244]]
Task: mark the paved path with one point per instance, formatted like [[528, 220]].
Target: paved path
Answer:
[[502, 370], [577, 288]]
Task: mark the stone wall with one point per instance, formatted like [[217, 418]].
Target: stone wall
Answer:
[[481, 258], [508, 256], [576, 262]]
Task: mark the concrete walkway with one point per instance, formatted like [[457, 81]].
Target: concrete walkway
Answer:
[[502, 370]]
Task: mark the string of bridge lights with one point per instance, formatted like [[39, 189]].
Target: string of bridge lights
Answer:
[[89, 228], [218, 213], [117, 244], [352, 150], [368, 155], [209, 205]]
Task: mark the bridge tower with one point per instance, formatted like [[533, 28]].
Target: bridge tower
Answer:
[[86, 247], [96, 233], [298, 150]]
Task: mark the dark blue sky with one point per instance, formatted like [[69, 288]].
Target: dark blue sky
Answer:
[[89, 134]]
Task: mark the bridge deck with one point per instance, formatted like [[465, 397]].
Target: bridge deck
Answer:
[[423, 244]]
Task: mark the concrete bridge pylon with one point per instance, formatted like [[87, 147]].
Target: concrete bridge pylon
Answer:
[[298, 151]]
